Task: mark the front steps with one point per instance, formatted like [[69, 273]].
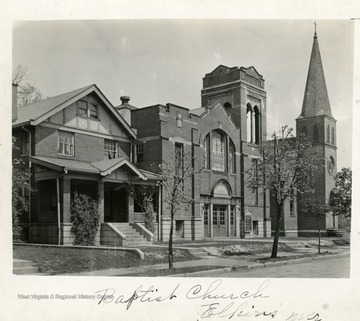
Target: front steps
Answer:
[[22, 267], [338, 232], [121, 234]]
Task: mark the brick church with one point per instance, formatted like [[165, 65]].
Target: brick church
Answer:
[[79, 141]]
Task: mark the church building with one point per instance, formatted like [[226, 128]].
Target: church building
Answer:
[[79, 141]]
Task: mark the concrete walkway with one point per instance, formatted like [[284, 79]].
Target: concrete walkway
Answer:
[[225, 262]]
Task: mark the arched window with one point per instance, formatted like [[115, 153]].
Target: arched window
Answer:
[[232, 163], [249, 123], [304, 131], [333, 135], [227, 106], [206, 149], [218, 151], [328, 134], [316, 133], [256, 125]]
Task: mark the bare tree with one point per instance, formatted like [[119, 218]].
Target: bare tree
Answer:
[[28, 93], [287, 168], [176, 175]]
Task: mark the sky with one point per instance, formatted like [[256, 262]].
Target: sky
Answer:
[[161, 61]]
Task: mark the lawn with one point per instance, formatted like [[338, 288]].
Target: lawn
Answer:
[[61, 260]]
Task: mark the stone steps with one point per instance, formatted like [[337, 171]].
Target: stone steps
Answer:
[[23, 267], [338, 232], [133, 237]]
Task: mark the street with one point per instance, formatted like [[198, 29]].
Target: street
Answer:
[[337, 267]]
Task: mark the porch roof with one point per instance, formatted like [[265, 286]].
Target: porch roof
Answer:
[[103, 168]]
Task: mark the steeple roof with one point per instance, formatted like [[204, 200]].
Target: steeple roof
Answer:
[[316, 99]]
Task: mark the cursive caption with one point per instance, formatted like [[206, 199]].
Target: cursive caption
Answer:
[[213, 299]]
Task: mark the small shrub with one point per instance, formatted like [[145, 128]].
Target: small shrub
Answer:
[[85, 219]]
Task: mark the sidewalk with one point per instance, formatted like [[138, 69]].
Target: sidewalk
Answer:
[[226, 263]]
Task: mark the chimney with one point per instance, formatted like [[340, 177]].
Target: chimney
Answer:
[[125, 100], [124, 109], [14, 101]]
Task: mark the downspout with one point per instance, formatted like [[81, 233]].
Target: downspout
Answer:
[[58, 209], [29, 209]]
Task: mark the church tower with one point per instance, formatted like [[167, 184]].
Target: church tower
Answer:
[[319, 126]]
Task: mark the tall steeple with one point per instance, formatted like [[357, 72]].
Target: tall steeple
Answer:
[[316, 100], [318, 125]]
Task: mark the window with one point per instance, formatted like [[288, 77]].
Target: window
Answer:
[[24, 143], [206, 214], [232, 215], [66, 143], [222, 216], [333, 135], [328, 134], [316, 133], [87, 109], [304, 131], [248, 223], [255, 189], [206, 149], [215, 217], [232, 163], [218, 151], [253, 124], [111, 149], [256, 126], [179, 159], [139, 152], [249, 123], [179, 120]]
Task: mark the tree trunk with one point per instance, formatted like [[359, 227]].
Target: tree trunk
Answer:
[[171, 255], [319, 235], [277, 232]]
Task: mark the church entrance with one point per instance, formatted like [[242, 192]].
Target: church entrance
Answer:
[[219, 221]]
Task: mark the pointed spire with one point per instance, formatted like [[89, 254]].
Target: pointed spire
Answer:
[[316, 99]]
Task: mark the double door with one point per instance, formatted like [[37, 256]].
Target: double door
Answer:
[[220, 221]]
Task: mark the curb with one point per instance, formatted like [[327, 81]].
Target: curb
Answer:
[[260, 265]]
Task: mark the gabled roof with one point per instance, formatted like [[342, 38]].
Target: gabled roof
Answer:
[[107, 166], [36, 113], [203, 111], [316, 99], [252, 72], [103, 168]]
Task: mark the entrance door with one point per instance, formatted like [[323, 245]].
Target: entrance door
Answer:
[[116, 204], [219, 220]]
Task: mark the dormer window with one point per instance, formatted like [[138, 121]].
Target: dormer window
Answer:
[[87, 109]]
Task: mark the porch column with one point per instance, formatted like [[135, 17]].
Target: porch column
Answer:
[[131, 207], [228, 220], [211, 221], [101, 202], [66, 200], [237, 221]]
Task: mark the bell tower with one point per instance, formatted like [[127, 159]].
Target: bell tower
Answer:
[[319, 126]]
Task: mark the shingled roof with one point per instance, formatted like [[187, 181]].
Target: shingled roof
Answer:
[[36, 113], [316, 99]]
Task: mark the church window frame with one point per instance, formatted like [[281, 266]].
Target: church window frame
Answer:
[[218, 151], [328, 134], [316, 135], [333, 135]]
